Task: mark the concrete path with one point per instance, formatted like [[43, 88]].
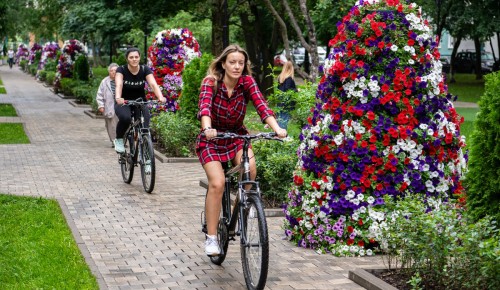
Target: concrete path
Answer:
[[131, 239]]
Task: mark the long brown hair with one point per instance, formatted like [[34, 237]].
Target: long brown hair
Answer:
[[287, 71], [216, 71]]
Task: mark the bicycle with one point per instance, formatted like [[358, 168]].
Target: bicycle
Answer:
[[248, 213], [138, 149]]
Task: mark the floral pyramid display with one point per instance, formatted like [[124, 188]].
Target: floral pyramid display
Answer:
[[22, 53], [69, 53], [49, 51], [383, 126], [169, 53], [32, 54]]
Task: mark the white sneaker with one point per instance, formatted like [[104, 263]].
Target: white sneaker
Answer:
[[212, 246], [119, 147]]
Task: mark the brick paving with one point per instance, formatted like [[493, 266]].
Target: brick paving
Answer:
[[131, 239]]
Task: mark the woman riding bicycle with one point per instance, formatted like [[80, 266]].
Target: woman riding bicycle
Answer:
[[225, 93], [130, 80]]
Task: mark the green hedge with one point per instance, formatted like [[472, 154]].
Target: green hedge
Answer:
[[175, 133], [275, 164], [192, 76], [483, 178]]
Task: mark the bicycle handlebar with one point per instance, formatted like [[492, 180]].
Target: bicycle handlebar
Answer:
[[261, 135], [139, 102]]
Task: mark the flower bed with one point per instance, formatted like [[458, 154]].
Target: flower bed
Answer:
[[22, 53], [32, 54], [49, 51], [384, 126], [70, 52], [169, 53]]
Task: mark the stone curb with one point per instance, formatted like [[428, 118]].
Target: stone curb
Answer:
[[93, 115], [368, 280], [270, 212], [75, 104], [81, 245]]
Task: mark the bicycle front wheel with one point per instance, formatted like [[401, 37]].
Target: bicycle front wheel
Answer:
[[254, 244], [127, 159], [148, 169]]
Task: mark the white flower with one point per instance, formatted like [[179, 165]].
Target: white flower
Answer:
[[394, 47]]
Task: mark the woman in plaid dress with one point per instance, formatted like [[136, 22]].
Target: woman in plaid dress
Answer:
[[225, 93]]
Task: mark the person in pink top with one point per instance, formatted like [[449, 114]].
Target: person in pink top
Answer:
[[225, 93]]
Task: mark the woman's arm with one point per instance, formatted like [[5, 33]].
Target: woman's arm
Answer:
[[119, 88], [156, 89]]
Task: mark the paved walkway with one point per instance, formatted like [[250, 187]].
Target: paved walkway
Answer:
[[131, 239]]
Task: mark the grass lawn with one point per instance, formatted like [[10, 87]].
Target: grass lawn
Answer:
[[37, 250], [13, 133], [467, 88], [7, 110], [467, 126]]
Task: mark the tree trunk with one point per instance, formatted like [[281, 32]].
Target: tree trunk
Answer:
[[477, 46], [217, 27], [452, 60]]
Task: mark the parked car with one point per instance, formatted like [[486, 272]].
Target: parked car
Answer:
[[446, 64], [465, 62], [299, 54]]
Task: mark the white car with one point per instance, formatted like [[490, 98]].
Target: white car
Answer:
[[298, 54]]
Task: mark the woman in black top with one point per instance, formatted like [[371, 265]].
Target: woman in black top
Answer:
[[130, 80], [286, 82]]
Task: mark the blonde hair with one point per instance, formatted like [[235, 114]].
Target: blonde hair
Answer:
[[216, 71], [287, 71]]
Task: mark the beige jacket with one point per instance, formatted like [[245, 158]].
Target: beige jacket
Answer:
[[106, 98]]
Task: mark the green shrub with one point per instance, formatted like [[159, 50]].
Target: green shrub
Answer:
[[50, 76], [433, 243], [99, 73], [23, 64], [483, 178], [175, 133], [42, 75], [120, 59], [32, 69], [275, 164], [82, 68], [50, 65], [192, 76], [83, 93], [67, 85]]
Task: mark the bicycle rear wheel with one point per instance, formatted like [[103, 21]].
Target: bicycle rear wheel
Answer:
[[254, 244], [127, 159], [148, 168]]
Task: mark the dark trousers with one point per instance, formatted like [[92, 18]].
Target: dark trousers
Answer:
[[124, 114]]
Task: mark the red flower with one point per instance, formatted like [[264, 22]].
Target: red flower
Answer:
[[298, 180]]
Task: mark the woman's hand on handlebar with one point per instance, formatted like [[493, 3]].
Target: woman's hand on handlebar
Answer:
[[120, 101], [282, 133], [210, 133]]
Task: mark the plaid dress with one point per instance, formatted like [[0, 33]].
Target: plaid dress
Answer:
[[227, 114]]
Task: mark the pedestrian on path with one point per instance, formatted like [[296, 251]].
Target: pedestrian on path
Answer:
[[10, 55], [286, 83], [225, 93], [130, 80], [106, 102]]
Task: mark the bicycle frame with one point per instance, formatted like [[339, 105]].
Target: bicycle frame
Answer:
[[239, 205], [141, 151]]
